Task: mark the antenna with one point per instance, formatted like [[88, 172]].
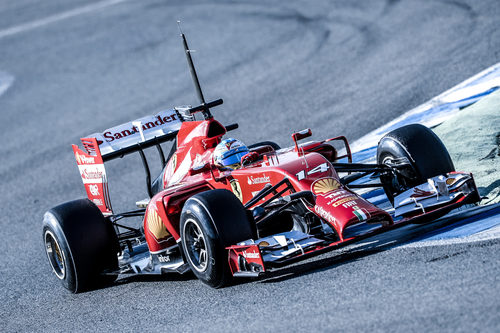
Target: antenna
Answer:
[[194, 76]]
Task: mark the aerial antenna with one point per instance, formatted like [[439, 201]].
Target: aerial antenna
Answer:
[[203, 106]]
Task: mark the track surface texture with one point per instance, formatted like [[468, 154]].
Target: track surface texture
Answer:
[[338, 67]]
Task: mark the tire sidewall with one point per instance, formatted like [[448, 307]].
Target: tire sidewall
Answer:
[[223, 221], [424, 150], [69, 280], [215, 270], [89, 244]]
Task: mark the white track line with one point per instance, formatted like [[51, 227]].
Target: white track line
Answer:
[[6, 81], [461, 91], [58, 17], [492, 233]]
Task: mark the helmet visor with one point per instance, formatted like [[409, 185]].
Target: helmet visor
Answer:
[[233, 157]]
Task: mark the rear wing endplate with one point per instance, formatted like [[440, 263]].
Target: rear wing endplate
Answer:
[[93, 173], [117, 142]]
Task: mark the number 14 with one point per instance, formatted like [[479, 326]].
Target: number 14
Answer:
[[320, 168]]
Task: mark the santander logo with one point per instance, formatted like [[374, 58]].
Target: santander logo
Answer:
[[258, 180], [251, 255], [91, 174], [121, 131]]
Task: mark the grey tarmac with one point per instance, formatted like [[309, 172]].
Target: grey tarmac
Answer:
[[337, 67]]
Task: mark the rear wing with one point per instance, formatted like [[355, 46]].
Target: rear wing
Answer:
[[148, 131], [119, 141]]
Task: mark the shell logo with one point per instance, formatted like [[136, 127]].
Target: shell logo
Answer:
[[451, 181], [155, 225], [325, 185]]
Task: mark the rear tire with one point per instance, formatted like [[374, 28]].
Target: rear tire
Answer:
[[211, 221], [426, 153], [80, 245]]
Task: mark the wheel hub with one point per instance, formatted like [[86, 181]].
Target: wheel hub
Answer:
[[55, 255]]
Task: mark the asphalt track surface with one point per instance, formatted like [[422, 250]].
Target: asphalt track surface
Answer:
[[342, 67]]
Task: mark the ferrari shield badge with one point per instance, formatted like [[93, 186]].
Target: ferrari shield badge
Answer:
[[235, 186]]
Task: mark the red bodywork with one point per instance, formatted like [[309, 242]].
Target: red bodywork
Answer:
[[190, 170]]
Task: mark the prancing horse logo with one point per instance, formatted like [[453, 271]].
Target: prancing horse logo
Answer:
[[235, 186]]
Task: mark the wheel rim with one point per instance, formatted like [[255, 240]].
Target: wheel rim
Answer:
[[406, 178], [196, 245], [55, 255]]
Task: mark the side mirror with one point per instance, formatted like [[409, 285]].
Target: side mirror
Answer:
[[301, 135], [249, 158]]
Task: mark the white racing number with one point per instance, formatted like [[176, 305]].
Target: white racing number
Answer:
[[320, 168]]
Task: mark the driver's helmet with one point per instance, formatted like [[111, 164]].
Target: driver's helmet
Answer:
[[229, 152]]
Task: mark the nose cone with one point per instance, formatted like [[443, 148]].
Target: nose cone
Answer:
[[341, 207]]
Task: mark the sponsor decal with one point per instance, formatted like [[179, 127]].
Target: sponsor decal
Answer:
[[155, 224], [258, 180], [93, 173], [251, 255], [361, 214], [336, 203], [235, 186], [340, 197], [94, 189], [117, 134], [174, 161], [324, 214], [98, 202], [349, 204], [162, 258], [82, 159], [451, 181], [325, 185]]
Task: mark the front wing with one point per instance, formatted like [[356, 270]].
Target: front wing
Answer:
[[421, 204]]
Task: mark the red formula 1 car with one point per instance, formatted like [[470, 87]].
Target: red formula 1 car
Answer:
[[281, 206]]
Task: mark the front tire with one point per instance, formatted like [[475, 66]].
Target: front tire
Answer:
[[81, 246], [211, 221], [422, 148]]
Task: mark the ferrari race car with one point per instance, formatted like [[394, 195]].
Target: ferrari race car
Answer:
[[281, 206]]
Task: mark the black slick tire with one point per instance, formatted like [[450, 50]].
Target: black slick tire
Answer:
[[426, 153], [210, 221], [81, 245]]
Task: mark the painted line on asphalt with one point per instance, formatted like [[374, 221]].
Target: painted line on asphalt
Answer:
[[6, 81], [436, 110], [58, 17], [489, 234], [432, 113]]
